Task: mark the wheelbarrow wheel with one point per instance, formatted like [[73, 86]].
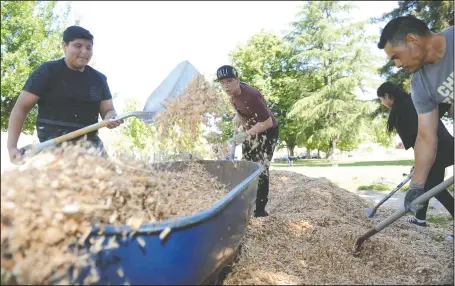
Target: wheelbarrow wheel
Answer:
[[223, 274], [227, 268]]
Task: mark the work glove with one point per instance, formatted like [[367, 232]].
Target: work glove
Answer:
[[239, 138], [414, 192]]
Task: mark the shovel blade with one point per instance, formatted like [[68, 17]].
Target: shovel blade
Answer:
[[357, 244], [370, 212], [171, 86]]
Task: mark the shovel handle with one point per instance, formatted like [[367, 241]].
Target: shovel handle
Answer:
[[65, 137], [80, 132], [232, 149], [395, 190]]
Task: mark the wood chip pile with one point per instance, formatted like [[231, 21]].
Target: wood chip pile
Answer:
[[54, 199], [309, 235]]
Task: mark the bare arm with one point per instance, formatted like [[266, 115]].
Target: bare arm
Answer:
[[24, 104], [426, 145], [107, 111], [261, 126]]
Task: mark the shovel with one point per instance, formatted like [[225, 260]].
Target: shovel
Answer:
[[171, 86], [232, 151], [144, 115], [401, 212], [233, 145], [372, 211]]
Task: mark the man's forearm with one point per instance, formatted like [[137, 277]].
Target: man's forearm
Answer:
[[15, 124], [260, 127], [424, 154], [110, 114]]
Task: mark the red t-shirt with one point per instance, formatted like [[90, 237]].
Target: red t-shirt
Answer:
[[251, 105]]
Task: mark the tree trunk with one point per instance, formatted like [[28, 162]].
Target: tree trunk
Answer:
[[308, 153], [319, 154], [290, 149], [333, 146]]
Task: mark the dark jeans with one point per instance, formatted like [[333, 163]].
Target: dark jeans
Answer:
[[444, 159], [260, 149], [48, 132]]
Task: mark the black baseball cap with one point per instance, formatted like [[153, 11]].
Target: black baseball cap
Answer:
[[226, 71]]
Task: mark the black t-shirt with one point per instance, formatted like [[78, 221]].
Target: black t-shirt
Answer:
[[69, 99], [406, 125]]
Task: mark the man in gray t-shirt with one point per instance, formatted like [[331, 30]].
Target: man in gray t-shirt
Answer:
[[429, 56]]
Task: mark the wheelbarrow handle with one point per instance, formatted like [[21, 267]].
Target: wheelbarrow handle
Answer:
[[402, 211]]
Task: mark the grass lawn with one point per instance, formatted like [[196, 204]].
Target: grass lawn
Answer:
[[439, 219], [327, 163], [374, 187]]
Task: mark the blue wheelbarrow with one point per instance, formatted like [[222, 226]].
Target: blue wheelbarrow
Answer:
[[199, 248]]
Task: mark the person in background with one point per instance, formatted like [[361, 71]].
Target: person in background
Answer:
[[403, 118], [69, 93], [260, 128]]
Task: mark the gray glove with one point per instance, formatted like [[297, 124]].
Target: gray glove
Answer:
[[414, 192], [239, 138]]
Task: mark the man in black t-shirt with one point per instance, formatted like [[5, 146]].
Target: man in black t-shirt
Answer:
[[70, 95]]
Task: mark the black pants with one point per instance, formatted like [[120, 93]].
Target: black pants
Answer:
[[260, 149], [48, 132], [444, 159]]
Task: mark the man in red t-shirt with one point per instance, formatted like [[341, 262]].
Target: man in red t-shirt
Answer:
[[260, 128]]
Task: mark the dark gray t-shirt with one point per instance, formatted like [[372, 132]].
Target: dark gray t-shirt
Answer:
[[433, 83]]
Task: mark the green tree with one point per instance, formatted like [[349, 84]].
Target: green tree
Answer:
[[264, 62], [437, 14], [378, 131], [334, 51], [30, 35], [134, 135]]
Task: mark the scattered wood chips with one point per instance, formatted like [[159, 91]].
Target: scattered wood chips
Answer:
[[309, 235], [179, 123], [54, 199]]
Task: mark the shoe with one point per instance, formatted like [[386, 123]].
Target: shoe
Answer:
[[450, 237], [413, 220], [261, 214]]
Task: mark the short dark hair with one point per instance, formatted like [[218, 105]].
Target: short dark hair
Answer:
[[397, 29], [76, 32]]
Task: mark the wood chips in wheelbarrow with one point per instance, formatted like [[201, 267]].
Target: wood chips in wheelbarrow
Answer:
[[56, 197], [309, 235]]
